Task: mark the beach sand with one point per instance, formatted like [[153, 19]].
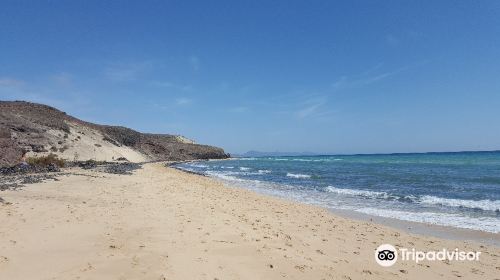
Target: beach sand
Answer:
[[162, 223]]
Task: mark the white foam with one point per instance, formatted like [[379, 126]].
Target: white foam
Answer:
[[489, 224], [224, 175], [486, 204], [264, 171], [198, 165], [369, 194], [244, 168], [298, 176], [227, 167]]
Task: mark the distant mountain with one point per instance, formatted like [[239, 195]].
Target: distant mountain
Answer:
[[40, 130], [274, 154]]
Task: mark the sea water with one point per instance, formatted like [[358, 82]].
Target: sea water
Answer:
[[450, 189]]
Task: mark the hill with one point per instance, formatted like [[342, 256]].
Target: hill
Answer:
[[40, 130]]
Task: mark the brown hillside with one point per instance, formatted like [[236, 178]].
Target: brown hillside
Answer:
[[40, 130]]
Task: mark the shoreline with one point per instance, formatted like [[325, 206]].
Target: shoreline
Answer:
[[162, 223], [423, 229]]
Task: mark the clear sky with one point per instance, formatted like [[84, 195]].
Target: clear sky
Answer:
[[319, 76]]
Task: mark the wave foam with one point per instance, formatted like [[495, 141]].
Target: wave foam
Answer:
[[488, 205], [224, 175], [369, 194], [198, 165], [298, 176], [443, 219]]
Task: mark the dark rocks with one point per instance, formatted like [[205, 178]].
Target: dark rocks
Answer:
[[37, 148], [125, 168], [15, 182], [9, 186], [107, 139], [89, 164], [26, 168], [121, 135], [17, 169], [10, 153], [38, 178], [4, 133], [13, 178], [53, 168]]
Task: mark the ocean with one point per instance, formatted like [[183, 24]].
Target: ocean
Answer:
[[450, 189]]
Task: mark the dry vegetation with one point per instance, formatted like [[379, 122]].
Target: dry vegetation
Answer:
[[45, 161]]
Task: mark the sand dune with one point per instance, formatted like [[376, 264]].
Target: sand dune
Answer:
[[161, 223]]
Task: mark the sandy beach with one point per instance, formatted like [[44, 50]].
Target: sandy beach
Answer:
[[162, 223]]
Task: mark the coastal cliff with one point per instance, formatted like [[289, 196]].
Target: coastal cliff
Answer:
[[40, 130]]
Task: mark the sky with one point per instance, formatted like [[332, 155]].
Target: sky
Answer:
[[330, 77]]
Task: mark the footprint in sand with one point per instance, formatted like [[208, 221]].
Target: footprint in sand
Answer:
[[302, 268], [135, 261], [3, 260], [87, 267]]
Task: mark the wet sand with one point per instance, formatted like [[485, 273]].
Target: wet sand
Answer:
[[445, 232]]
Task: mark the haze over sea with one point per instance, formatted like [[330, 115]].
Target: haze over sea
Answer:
[[450, 189]]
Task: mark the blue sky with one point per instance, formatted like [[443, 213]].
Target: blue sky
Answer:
[[319, 76]]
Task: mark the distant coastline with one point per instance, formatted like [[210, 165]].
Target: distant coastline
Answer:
[[310, 154]]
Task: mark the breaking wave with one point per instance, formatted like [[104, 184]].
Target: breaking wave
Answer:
[[486, 204], [298, 176]]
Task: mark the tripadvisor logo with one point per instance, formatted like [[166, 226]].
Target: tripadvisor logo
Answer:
[[387, 255]]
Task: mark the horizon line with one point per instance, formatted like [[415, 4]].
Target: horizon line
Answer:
[[370, 154]]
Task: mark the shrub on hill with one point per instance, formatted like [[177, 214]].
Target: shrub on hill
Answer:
[[45, 161]]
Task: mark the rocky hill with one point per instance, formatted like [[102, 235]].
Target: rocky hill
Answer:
[[40, 130]]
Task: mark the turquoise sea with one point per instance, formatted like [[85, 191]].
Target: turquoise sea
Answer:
[[450, 189]]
